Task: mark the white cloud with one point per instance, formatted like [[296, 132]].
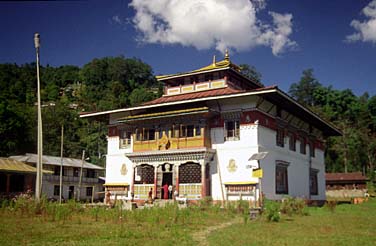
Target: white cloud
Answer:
[[365, 30], [204, 24]]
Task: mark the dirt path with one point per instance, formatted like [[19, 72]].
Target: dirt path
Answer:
[[201, 236]]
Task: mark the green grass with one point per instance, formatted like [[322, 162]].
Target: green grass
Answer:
[[23, 223], [71, 224], [347, 225]]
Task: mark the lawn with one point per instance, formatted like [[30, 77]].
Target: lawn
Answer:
[[349, 224], [71, 224]]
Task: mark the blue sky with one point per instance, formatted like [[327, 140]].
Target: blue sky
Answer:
[[336, 38]]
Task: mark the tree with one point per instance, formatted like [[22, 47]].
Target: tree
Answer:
[[250, 72], [303, 91]]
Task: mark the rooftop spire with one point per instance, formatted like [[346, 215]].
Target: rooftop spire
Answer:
[[227, 56], [214, 60]]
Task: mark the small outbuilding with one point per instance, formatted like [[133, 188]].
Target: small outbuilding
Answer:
[[16, 177], [346, 185]]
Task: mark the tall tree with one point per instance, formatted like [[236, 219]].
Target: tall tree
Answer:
[[303, 90], [250, 72]]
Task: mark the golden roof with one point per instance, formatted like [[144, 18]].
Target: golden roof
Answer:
[[10, 165], [225, 63]]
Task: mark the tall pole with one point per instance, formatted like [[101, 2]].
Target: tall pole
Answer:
[[80, 182], [38, 184], [61, 162]]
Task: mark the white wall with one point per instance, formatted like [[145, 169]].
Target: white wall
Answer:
[[240, 151], [114, 160], [298, 169]]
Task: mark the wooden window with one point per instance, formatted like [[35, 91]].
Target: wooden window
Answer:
[[190, 131], [190, 173], [56, 170], [56, 190], [124, 138], [76, 171], [89, 191], [311, 149], [313, 185], [292, 142], [232, 130], [280, 139], [197, 131], [302, 146], [183, 131], [175, 131], [90, 173], [281, 179], [138, 135], [148, 134], [145, 173]]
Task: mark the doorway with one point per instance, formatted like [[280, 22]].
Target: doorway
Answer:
[[166, 179], [71, 192]]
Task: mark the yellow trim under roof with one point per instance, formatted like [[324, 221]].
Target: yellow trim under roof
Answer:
[[116, 184], [226, 63], [241, 183], [166, 113]]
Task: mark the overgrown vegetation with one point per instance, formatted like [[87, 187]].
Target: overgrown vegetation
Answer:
[[349, 225], [25, 223]]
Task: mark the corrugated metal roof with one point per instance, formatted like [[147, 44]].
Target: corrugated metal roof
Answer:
[[357, 176], [11, 165], [55, 160]]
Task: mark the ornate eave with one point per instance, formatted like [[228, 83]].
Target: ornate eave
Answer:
[[163, 156]]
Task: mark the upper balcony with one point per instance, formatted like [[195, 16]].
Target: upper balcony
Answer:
[[208, 85]]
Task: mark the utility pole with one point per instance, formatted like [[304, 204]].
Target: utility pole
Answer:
[[38, 182], [80, 182], [61, 163]]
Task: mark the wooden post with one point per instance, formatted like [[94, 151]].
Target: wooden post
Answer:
[[80, 181], [203, 180], [7, 190], [155, 181], [177, 179]]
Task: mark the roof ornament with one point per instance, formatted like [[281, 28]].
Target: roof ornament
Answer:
[[227, 56], [214, 60]]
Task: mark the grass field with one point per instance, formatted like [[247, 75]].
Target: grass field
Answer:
[[71, 224]]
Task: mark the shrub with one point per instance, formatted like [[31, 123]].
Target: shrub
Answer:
[[331, 205], [272, 211], [291, 206]]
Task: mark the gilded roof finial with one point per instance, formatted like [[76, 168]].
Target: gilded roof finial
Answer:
[[227, 57], [214, 60]]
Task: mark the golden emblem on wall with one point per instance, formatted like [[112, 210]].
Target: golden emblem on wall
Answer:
[[232, 166], [123, 170], [164, 142]]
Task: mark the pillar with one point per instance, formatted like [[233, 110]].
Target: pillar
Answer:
[[7, 189], [177, 178], [132, 183], [203, 180], [155, 181]]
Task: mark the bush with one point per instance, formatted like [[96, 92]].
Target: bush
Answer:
[[291, 206], [272, 211], [331, 205]]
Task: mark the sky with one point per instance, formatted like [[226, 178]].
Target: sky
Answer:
[[336, 38]]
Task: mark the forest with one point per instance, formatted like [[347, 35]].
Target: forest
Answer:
[[116, 82]]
